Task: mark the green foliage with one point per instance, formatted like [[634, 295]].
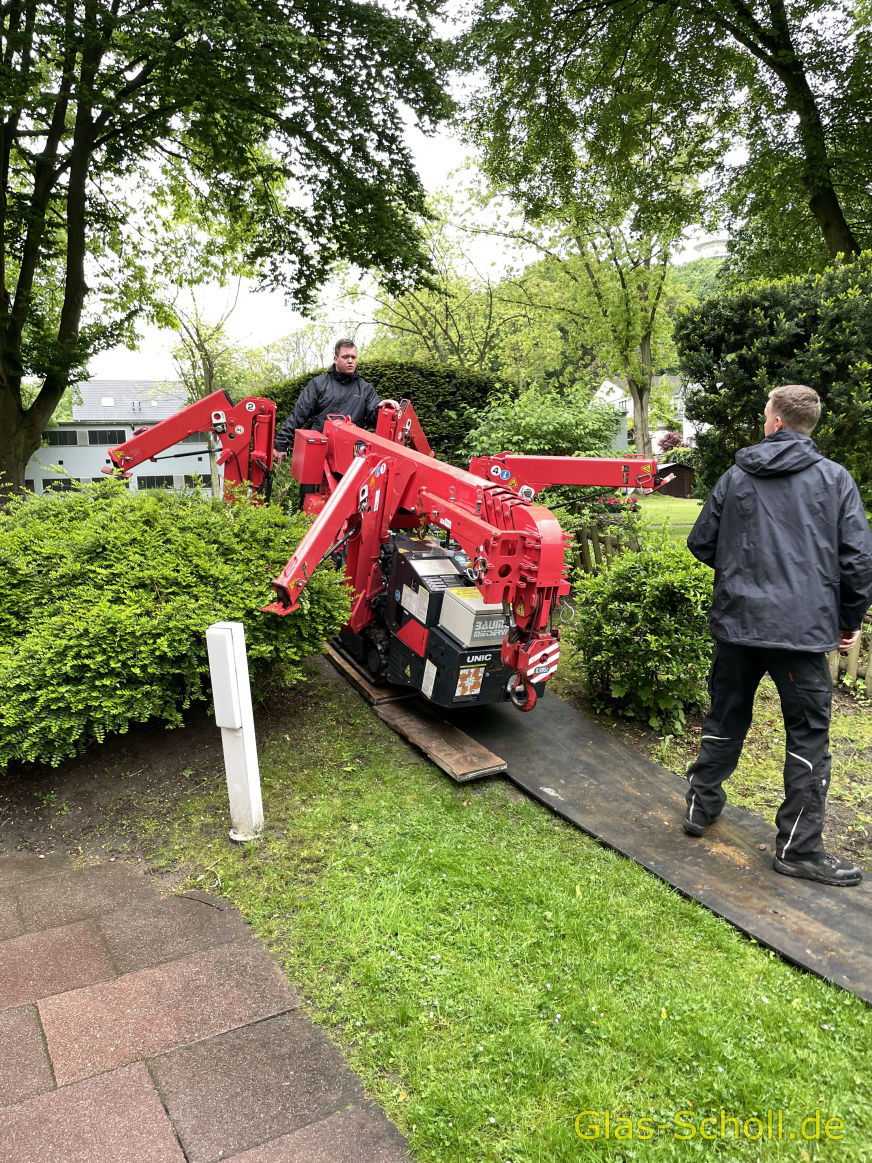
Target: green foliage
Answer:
[[679, 455], [106, 602], [696, 279], [278, 128], [734, 348], [607, 511], [525, 327], [447, 399], [544, 421], [623, 75], [642, 633]]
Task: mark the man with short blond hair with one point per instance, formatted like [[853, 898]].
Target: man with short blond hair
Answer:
[[785, 531], [798, 406]]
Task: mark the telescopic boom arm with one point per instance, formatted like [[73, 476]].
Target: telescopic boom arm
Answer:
[[245, 430]]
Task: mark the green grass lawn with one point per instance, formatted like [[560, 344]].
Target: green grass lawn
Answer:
[[658, 509], [492, 973]]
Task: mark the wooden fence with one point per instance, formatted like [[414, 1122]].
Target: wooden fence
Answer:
[[593, 549]]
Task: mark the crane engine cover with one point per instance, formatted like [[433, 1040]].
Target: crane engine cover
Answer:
[[426, 584]]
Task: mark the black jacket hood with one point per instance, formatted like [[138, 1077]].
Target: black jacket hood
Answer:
[[779, 454], [785, 532]]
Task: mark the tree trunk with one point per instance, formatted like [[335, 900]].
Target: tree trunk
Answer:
[[22, 437], [213, 466], [641, 394], [817, 170], [823, 201]]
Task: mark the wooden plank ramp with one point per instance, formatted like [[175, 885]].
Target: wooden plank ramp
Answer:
[[455, 752], [459, 755]]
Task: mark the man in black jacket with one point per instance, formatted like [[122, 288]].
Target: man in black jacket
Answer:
[[339, 391], [785, 531]]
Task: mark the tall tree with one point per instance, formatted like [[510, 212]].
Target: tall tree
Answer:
[[516, 326], [611, 245], [614, 280], [201, 353], [789, 80], [279, 123]]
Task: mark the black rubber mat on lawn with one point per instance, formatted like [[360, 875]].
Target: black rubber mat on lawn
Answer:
[[631, 805]]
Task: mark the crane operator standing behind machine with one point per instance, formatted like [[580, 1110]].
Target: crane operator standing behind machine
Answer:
[[337, 392]]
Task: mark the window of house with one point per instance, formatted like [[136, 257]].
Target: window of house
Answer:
[[30, 486], [154, 482], [196, 438], [60, 437], [107, 401], [58, 484], [192, 480], [108, 437]]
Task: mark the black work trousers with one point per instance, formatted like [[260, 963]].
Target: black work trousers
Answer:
[[806, 691]]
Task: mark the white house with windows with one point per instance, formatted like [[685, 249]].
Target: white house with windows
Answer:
[[617, 395], [105, 413]]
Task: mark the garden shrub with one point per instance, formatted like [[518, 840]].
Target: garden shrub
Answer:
[[642, 634], [544, 421], [447, 400], [106, 602], [607, 511]]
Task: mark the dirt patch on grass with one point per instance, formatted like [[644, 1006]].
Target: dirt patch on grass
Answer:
[[92, 806], [89, 805]]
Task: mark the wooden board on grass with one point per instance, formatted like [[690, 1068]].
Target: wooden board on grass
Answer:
[[384, 693], [449, 748]]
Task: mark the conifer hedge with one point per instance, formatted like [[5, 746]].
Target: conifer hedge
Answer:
[[447, 400], [817, 330]]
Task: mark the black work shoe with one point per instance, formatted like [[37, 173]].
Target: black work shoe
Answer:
[[826, 869], [696, 827]]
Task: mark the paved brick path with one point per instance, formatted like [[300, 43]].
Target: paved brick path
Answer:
[[140, 1030]]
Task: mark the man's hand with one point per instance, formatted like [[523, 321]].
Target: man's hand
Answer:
[[847, 638], [278, 456], [393, 404]]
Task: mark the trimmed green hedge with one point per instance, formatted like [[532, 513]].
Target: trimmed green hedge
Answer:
[[733, 348], [106, 599], [642, 634], [447, 400]]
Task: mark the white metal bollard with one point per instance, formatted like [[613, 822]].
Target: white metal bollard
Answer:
[[228, 664]]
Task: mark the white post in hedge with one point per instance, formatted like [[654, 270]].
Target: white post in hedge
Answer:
[[231, 691]]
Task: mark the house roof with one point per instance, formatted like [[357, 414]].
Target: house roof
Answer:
[[133, 401]]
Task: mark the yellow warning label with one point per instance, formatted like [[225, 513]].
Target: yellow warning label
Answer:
[[466, 592]]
